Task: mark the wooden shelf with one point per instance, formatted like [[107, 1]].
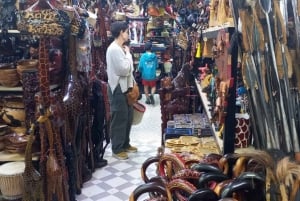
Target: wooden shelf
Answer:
[[212, 32], [12, 31], [2, 88], [19, 88], [156, 37], [205, 104], [244, 150], [7, 156]]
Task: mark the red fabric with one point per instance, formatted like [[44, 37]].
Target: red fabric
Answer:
[[151, 83]]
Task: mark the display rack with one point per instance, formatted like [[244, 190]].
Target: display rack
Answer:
[[206, 107], [227, 144], [12, 31], [212, 32], [7, 156], [20, 89], [17, 91]]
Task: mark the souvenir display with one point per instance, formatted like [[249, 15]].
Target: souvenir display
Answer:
[[8, 15], [228, 86]]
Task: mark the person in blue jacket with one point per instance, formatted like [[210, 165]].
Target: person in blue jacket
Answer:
[[147, 66]]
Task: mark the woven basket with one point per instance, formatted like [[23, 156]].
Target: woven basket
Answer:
[[138, 112]]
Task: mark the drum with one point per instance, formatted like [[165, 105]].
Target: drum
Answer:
[[11, 180]]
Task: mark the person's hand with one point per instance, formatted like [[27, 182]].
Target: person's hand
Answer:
[[126, 48]]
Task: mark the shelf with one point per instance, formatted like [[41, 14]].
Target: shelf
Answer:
[[158, 28], [212, 32], [2, 88], [157, 37], [20, 89], [205, 103], [244, 150], [6, 156], [12, 31], [128, 18]]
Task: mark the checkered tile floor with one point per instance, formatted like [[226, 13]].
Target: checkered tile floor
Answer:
[[118, 179]]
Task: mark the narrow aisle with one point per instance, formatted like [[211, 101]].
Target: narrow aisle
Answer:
[[119, 178]]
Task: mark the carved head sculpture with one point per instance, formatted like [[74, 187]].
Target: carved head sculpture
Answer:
[[182, 78]]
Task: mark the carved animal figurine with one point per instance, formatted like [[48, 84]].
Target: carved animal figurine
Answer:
[[72, 106], [59, 150], [182, 78], [53, 170], [203, 71], [32, 178], [99, 52], [45, 94]]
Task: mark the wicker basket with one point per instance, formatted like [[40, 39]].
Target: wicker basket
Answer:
[[138, 112]]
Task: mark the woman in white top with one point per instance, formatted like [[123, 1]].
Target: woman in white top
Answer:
[[120, 80]]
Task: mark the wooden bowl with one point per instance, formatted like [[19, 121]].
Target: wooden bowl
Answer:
[[13, 111], [8, 75]]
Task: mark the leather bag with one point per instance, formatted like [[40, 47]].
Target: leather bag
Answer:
[[133, 94]]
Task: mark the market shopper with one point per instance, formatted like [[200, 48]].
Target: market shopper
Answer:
[[120, 80], [147, 67]]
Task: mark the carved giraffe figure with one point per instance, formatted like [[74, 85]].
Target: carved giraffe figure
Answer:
[[98, 74], [100, 51], [53, 170], [32, 178], [44, 72], [107, 108], [43, 87], [57, 111], [72, 106]]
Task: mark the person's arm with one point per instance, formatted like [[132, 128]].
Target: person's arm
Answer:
[[140, 67], [156, 61]]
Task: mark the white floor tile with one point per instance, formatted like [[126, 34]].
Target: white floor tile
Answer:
[[115, 182], [92, 190], [110, 198], [118, 179]]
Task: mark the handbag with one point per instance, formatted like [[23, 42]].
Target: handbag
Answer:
[[133, 94], [138, 113]]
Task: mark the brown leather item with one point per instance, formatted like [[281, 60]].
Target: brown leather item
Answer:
[[133, 94], [153, 11]]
